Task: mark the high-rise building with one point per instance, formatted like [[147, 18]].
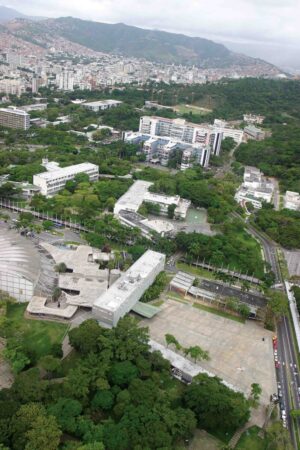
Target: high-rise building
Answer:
[[179, 130], [37, 82], [12, 117], [12, 87], [65, 80]]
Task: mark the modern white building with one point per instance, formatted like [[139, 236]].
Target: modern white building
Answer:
[[122, 296], [255, 189], [133, 198], [179, 130], [139, 193], [292, 200], [161, 148], [234, 133], [164, 201], [101, 105], [52, 182], [65, 80], [12, 117]]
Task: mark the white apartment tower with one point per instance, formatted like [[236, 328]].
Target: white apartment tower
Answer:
[[66, 80]]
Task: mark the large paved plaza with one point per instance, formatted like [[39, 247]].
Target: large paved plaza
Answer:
[[238, 353]]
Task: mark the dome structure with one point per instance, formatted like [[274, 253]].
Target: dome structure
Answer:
[[19, 265]]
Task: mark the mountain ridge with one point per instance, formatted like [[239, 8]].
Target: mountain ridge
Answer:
[[7, 14], [130, 41]]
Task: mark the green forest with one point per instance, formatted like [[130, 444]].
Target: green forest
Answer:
[[112, 393], [277, 156]]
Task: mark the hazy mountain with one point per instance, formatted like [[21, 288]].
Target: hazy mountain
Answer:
[[7, 14], [131, 41]]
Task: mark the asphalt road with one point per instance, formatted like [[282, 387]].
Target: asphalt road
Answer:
[[288, 375], [269, 249], [229, 291]]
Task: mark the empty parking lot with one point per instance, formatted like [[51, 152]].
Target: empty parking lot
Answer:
[[238, 353]]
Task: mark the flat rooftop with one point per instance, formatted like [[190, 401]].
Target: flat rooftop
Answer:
[[123, 288], [14, 111], [164, 199], [102, 102], [134, 197], [65, 171]]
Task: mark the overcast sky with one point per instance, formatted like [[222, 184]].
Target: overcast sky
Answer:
[[269, 28]]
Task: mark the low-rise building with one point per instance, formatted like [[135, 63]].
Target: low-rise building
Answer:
[[123, 295], [253, 119], [12, 117], [139, 193], [52, 182], [101, 105], [292, 200], [253, 132], [161, 148], [255, 189], [34, 107], [164, 201]]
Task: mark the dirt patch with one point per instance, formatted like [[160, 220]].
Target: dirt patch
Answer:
[[204, 441], [6, 375]]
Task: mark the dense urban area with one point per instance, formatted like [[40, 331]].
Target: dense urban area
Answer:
[[149, 250]]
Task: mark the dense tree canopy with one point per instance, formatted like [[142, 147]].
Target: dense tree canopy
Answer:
[[116, 395]]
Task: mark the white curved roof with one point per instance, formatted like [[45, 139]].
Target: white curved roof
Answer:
[[18, 257]]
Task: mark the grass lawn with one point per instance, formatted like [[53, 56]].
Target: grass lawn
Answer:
[[70, 362], [157, 303], [37, 335], [251, 441], [196, 271], [218, 312], [204, 441], [186, 109]]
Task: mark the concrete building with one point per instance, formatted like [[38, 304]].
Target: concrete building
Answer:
[[34, 107], [255, 133], [161, 148], [139, 192], [101, 105], [179, 130], [292, 200], [255, 189], [13, 86], [133, 198], [234, 133], [164, 201], [65, 80], [123, 295], [253, 119], [52, 182], [12, 117]]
